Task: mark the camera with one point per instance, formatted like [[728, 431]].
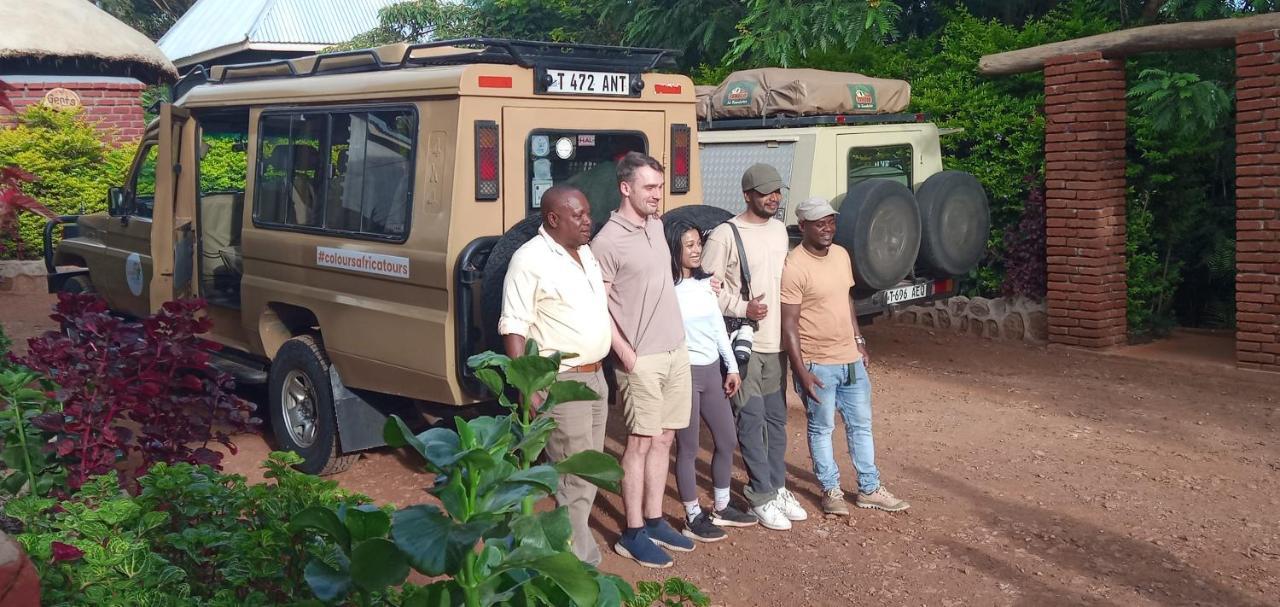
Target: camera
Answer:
[[741, 340]]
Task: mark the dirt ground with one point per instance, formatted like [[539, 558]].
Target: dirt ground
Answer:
[[1036, 476]]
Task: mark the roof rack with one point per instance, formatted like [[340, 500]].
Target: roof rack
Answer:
[[524, 53], [782, 122]]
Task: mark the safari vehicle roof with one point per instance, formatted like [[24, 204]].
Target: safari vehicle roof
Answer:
[[472, 66]]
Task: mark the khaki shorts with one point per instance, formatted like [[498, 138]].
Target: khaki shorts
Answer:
[[658, 393]]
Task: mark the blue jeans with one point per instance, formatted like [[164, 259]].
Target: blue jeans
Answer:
[[852, 396]]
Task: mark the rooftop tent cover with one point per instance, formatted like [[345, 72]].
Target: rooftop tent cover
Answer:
[[772, 91]]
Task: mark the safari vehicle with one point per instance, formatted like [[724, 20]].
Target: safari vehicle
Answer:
[[344, 256], [911, 227]]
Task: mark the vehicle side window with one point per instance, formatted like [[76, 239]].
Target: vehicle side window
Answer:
[[348, 172], [891, 162], [144, 182]]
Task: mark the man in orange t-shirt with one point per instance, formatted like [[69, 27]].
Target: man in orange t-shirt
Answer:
[[828, 358]]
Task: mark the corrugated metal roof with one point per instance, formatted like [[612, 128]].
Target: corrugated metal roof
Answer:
[[214, 24]]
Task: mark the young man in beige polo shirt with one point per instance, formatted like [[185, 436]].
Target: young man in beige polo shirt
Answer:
[[828, 358], [555, 295], [760, 406], [653, 365]]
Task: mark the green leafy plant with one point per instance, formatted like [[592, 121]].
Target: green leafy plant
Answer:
[[781, 33], [1181, 105], [31, 465], [674, 592], [484, 537], [75, 165], [192, 536]]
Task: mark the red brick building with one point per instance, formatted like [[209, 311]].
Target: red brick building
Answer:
[[69, 53]]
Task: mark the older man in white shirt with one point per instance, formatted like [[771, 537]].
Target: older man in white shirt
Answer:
[[555, 295]]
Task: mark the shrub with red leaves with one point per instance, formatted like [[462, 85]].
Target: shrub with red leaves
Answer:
[[134, 387], [1024, 245]]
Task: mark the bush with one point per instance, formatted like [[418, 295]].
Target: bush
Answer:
[[192, 537], [74, 165], [116, 375]]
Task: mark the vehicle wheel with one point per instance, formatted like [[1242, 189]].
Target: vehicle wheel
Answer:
[[74, 285], [77, 284], [955, 222], [703, 216], [495, 274], [880, 226], [300, 402]]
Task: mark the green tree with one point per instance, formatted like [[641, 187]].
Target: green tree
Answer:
[[151, 17]]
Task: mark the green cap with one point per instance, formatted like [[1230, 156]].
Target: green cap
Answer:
[[762, 178]]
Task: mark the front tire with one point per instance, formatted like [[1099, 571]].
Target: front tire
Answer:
[[300, 402]]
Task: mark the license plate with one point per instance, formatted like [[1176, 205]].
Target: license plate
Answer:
[[901, 294], [572, 82]]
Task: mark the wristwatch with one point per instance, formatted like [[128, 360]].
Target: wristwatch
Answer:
[[862, 341]]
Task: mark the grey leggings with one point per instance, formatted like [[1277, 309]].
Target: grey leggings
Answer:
[[709, 403]]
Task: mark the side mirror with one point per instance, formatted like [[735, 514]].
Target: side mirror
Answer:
[[118, 200]]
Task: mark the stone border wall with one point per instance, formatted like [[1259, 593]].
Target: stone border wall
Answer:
[[1011, 319]]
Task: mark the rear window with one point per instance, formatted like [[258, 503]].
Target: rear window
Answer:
[[586, 160], [891, 162], [342, 171]]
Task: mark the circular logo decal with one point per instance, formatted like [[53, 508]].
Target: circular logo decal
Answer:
[[133, 273]]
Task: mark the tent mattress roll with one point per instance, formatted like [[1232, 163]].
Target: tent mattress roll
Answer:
[[771, 91]]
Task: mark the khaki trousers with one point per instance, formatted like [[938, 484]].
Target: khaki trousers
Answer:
[[579, 427]]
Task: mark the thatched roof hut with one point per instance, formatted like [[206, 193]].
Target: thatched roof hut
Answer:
[[74, 37]]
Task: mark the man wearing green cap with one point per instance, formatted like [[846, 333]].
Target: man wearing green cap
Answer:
[[760, 405]]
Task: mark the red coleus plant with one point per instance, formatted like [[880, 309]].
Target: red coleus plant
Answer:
[[134, 387]]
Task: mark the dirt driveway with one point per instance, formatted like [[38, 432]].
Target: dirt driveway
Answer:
[[1037, 477]]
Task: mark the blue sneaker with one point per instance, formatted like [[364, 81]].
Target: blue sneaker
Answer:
[[642, 550], [663, 534]]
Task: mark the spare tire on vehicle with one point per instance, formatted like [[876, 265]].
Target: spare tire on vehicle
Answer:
[[880, 226], [495, 274], [702, 216], [955, 222]]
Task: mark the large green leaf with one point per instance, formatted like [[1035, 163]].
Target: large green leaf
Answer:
[[377, 564], [324, 520], [595, 467], [444, 593], [434, 543], [564, 569], [534, 439], [517, 486], [491, 380], [452, 495], [366, 521], [488, 358], [543, 476], [532, 374], [397, 434], [490, 431], [569, 391], [544, 530], [14, 482], [327, 583]]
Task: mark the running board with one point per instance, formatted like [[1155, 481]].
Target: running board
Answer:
[[244, 374]]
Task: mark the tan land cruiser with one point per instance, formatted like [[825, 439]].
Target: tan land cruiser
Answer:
[[911, 227], [348, 216]]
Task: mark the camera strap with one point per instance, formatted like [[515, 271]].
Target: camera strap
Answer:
[[742, 262]]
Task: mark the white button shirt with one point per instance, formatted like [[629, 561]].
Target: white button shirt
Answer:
[[548, 297]]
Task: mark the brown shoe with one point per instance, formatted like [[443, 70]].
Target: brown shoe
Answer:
[[881, 499], [833, 502]]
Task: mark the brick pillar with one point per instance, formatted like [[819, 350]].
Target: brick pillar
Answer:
[[1084, 199], [1258, 200]]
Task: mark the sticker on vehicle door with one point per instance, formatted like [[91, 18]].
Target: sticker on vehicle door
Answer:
[[359, 261], [133, 273]]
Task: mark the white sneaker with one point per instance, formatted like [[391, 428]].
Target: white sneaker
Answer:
[[790, 506], [771, 517]]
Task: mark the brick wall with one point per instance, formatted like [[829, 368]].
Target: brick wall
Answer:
[[1258, 200], [116, 107], [1084, 199]]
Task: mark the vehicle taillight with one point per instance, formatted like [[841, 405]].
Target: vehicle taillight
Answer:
[[486, 160], [681, 137], [943, 286]]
